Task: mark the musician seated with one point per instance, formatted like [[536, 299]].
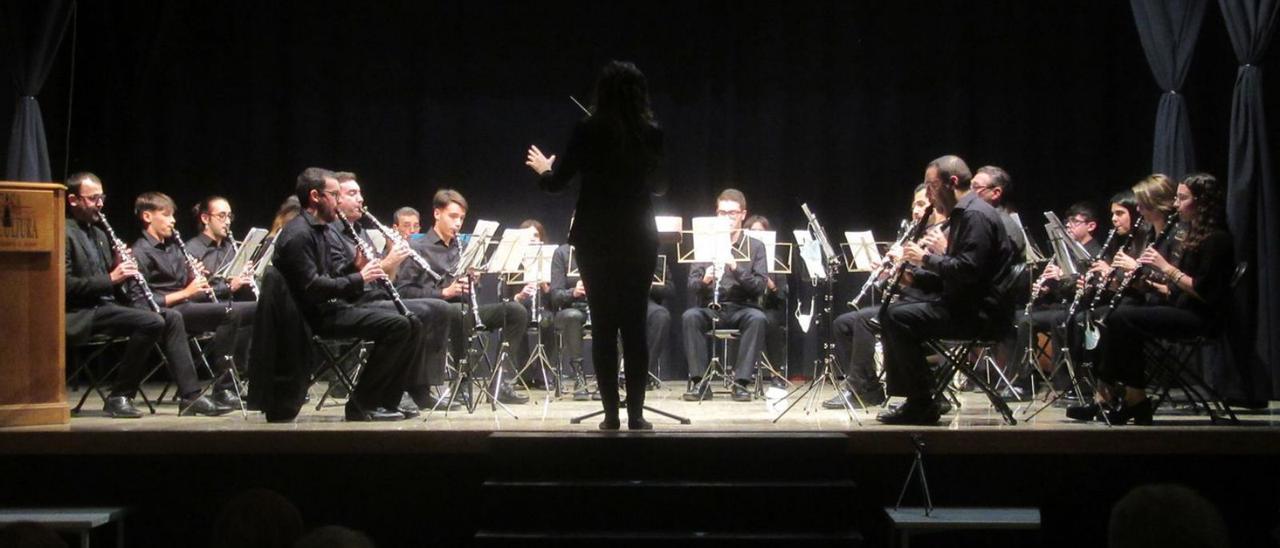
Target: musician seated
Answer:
[[443, 251], [974, 269], [528, 295], [326, 296], [215, 248], [855, 342], [408, 222], [1053, 290], [97, 303], [180, 284], [430, 316], [741, 285], [774, 305], [1188, 281]]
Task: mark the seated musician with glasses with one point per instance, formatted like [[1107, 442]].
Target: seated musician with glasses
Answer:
[[214, 248], [735, 305], [98, 284], [181, 285], [443, 251]]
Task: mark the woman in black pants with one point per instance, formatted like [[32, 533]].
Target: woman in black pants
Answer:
[[617, 150], [1193, 288]]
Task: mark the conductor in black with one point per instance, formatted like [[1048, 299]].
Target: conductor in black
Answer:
[[617, 150]]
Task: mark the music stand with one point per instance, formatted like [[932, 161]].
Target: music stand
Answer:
[[821, 267], [245, 254], [535, 268], [712, 240]]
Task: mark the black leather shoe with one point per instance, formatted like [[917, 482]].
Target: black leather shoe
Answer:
[[741, 393], [431, 401], [638, 423], [694, 394], [1086, 412], [202, 406], [837, 401], [226, 398], [461, 399], [1140, 413], [120, 407], [610, 423], [507, 394], [356, 413], [916, 412], [407, 407]]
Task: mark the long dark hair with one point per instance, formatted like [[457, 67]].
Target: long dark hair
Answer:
[[1210, 206], [621, 101]]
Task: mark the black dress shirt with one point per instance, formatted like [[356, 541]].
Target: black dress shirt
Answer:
[[213, 257], [412, 280], [165, 268], [302, 255], [562, 284], [979, 256], [744, 284]]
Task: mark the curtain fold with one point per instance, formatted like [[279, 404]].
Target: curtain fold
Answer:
[[1252, 201], [1168, 30], [33, 30]]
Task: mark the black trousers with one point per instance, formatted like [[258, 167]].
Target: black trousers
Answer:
[[146, 329], [618, 293], [775, 337], [1023, 345], [657, 326], [510, 317], [431, 328], [905, 326], [751, 323], [856, 348], [1128, 328], [395, 340], [228, 326]]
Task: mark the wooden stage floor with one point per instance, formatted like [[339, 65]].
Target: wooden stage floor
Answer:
[[974, 428]]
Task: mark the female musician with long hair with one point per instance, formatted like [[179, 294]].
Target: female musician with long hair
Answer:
[[616, 150], [1194, 285]]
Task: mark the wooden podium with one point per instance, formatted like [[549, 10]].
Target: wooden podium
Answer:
[[32, 304]]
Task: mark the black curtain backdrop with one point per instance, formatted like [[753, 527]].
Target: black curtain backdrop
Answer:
[[1169, 30], [1253, 198], [838, 104], [32, 32]]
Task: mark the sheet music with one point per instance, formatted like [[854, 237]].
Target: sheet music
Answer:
[[667, 223], [537, 263], [248, 247], [862, 245], [477, 243], [770, 240], [660, 270], [511, 249], [711, 240]]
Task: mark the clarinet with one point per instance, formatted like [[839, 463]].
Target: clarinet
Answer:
[[253, 280], [715, 293], [1104, 283], [397, 240], [892, 285], [1132, 275], [885, 262], [475, 306], [126, 255], [1089, 280], [364, 249], [192, 264]]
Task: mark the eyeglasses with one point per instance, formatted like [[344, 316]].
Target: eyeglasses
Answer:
[[97, 198], [1076, 221], [980, 188], [334, 194], [728, 213], [224, 216]]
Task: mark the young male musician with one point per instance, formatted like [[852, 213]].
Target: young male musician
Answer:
[[741, 284], [214, 248], [443, 251], [174, 285], [96, 284]]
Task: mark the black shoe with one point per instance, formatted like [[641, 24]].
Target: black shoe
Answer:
[[408, 407], [638, 423], [944, 406], [507, 394], [429, 401], [1086, 412], [610, 423], [202, 406], [1140, 413], [914, 412], [694, 394], [226, 398], [582, 394], [838, 401], [120, 407], [337, 390], [356, 413], [741, 393], [461, 399]]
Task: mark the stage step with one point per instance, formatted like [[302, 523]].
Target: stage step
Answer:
[[656, 489]]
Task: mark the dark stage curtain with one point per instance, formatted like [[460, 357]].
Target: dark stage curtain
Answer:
[[1168, 30], [32, 32], [1253, 199]]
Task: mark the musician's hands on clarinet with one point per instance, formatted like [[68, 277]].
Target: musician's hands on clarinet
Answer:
[[124, 270], [460, 286], [1123, 261], [914, 253], [245, 277], [1153, 258], [372, 271], [579, 290]]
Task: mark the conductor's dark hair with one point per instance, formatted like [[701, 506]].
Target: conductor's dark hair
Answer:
[[621, 99], [310, 179]]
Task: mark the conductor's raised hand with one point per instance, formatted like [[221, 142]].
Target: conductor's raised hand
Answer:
[[539, 162]]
